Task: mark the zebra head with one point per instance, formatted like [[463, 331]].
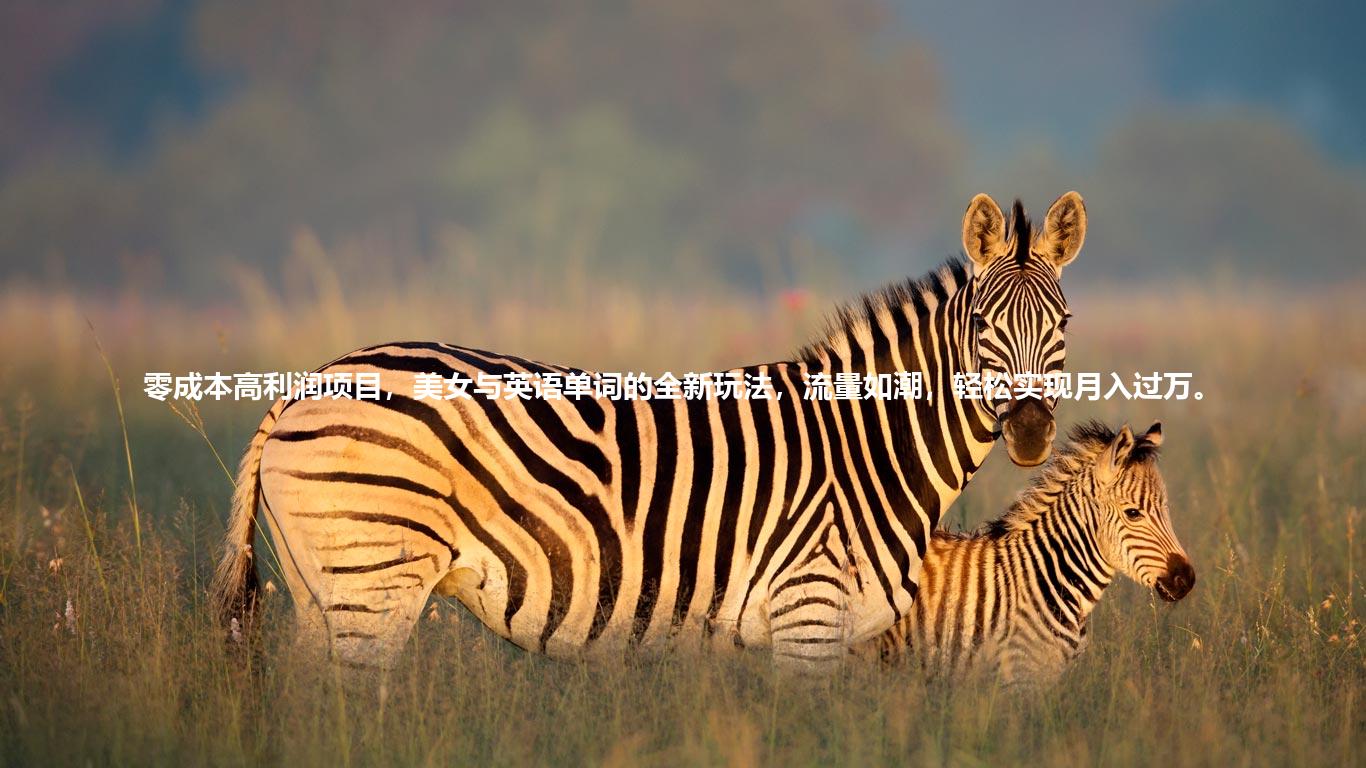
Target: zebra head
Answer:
[[1017, 316], [1134, 519]]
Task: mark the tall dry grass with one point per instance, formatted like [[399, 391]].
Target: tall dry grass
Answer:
[[1263, 663]]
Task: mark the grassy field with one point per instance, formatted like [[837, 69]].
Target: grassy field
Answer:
[[108, 654]]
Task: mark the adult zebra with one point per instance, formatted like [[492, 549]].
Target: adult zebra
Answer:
[[581, 524], [1015, 597]]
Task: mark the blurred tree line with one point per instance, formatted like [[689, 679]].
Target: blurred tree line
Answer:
[[628, 139]]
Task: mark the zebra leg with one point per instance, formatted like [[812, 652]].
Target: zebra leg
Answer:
[[299, 567], [368, 627], [361, 622], [358, 587], [364, 548], [809, 609]]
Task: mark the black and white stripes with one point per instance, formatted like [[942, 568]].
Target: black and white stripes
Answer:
[[579, 524], [1014, 599]]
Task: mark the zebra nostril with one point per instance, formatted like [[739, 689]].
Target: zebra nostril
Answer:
[[1179, 579]]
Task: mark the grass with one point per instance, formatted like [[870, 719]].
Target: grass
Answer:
[[1263, 663]]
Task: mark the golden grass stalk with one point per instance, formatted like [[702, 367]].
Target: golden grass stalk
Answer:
[[90, 537], [195, 420], [192, 417], [127, 451]]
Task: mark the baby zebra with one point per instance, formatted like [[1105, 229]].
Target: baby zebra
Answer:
[[1013, 599]]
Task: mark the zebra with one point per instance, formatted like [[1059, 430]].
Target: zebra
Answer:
[[575, 526], [1014, 598]]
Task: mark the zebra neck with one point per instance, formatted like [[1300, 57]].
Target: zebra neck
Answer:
[[1059, 552], [940, 346], [935, 342], [932, 444], [921, 326]]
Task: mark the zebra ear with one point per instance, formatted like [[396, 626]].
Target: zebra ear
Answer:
[[1154, 434], [1112, 460], [984, 230], [1064, 230]]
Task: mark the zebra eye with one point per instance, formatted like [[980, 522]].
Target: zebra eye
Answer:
[[1062, 326], [1133, 514], [979, 323]]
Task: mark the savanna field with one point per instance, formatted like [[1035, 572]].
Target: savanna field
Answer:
[[112, 509]]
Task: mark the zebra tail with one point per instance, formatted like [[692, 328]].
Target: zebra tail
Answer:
[[235, 585]]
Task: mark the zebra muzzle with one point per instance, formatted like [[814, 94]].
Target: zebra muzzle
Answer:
[[1179, 579], [1028, 429]]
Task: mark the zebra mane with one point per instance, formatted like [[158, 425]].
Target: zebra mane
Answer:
[[856, 317], [1022, 232], [1085, 441]]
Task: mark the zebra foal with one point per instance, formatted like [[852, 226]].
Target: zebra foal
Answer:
[[1015, 597]]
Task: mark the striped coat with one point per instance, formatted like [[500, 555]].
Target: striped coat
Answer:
[[577, 525], [1014, 599]]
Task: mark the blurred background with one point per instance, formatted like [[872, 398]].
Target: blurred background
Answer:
[[644, 185], [193, 149], [651, 185]]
